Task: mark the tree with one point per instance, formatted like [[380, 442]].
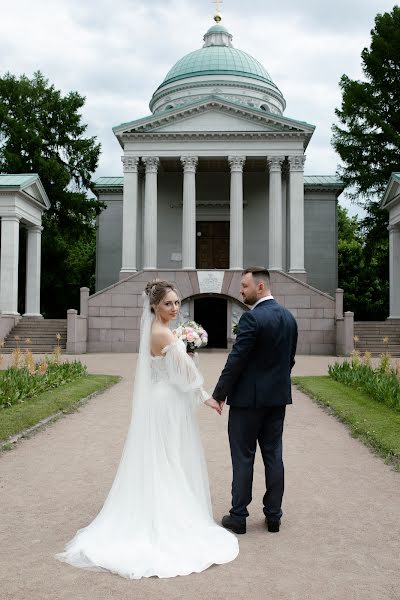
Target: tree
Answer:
[[368, 137], [41, 131], [360, 275]]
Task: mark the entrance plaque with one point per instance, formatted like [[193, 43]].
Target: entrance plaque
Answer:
[[210, 282]]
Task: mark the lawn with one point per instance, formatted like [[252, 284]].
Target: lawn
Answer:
[[64, 398], [377, 425]]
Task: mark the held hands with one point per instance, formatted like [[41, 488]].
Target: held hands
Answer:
[[215, 405]]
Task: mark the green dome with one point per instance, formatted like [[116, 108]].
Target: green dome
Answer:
[[217, 60]]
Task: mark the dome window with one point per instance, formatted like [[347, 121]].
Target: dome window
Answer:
[[169, 107], [265, 107]]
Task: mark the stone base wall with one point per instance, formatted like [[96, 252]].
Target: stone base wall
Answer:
[[114, 313]]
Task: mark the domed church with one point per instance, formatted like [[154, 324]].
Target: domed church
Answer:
[[213, 181]]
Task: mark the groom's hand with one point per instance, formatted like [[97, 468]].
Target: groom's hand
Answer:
[[214, 405]]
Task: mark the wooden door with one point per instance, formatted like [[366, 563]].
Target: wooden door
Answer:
[[212, 248]]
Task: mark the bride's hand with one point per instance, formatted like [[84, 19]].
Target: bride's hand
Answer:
[[214, 405]]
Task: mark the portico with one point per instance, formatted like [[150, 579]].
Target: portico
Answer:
[[22, 203]]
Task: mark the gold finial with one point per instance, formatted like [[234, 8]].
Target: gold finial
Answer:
[[217, 16]]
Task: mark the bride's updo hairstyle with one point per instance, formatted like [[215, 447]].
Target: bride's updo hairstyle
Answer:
[[157, 289]]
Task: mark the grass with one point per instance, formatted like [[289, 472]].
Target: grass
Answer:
[[64, 399], [375, 424]]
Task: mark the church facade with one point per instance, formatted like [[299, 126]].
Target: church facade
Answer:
[[213, 180]]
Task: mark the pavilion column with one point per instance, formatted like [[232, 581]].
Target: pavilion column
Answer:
[[189, 212], [129, 212], [296, 209], [150, 213], [394, 271], [236, 213], [33, 265], [275, 213], [9, 265]]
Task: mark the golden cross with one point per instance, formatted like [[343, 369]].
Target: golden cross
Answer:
[[217, 4]]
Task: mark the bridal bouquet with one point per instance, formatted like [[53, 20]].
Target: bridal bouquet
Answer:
[[192, 334]]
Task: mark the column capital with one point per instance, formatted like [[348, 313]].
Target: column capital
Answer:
[[392, 228], [130, 163], [189, 163], [296, 163], [151, 163], [236, 163], [275, 163]]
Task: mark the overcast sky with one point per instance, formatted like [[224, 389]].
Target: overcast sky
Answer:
[[116, 53]]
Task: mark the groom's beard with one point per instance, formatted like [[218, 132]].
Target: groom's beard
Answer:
[[250, 300]]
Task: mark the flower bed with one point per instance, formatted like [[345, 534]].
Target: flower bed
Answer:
[[381, 384]]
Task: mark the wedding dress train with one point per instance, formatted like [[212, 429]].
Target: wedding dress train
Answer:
[[157, 519]]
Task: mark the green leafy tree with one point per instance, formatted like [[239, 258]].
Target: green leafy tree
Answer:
[[360, 274], [367, 140], [41, 131]]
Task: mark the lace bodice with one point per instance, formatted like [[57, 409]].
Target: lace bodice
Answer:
[[177, 368], [159, 370]]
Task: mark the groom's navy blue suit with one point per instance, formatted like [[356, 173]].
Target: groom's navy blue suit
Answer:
[[256, 383]]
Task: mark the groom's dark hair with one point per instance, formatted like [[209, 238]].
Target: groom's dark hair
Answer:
[[259, 273]]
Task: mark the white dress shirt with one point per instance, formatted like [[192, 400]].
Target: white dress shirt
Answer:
[[261, 300]]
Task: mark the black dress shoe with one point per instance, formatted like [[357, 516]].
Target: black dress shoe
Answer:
[[272, 526], [233, 525]]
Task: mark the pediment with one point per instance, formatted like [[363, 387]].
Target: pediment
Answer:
[[213, 120], [214, 116], [392, 192], [36, 192]]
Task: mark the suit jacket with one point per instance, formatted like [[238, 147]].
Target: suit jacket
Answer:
[[257, 372]]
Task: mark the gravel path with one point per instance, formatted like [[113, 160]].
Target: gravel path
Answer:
[[339, 537]]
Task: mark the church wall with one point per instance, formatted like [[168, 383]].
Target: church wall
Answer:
[[255, 219], [320, 245], [169, 224], [109, 241]]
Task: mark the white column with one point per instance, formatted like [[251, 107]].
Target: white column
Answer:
[[394, 271], [33, 265], [275, 213], [9, 265], [189, 212], [236, 215], [150, 213], [296, 208], [129, 214]]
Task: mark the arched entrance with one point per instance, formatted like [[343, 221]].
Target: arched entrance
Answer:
[[211, 313]]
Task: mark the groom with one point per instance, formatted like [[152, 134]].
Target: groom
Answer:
[[256, 383]]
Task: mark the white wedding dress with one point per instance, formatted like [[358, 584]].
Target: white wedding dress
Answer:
[[157, 519]]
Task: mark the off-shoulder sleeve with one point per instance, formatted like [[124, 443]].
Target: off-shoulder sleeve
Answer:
[[183, 372]]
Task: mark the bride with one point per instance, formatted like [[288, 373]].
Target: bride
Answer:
[[157, 519]]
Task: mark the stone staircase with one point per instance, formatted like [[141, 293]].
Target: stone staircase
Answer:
[[41, 333], [372, 333]]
